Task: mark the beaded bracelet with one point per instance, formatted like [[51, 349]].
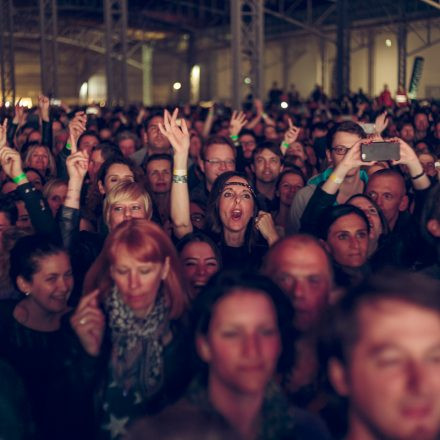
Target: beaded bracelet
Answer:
[[180, 179], [180, 172]]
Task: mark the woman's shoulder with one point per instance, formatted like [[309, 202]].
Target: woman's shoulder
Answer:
[[7, 307], [183, 420], [283, 420]]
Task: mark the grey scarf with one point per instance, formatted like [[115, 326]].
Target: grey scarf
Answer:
[[137, 344]]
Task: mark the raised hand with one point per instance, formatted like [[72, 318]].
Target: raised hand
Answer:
[[43, 107], [381, 122], [3, 133], [237, 122], [292, 133], [19, 116], [265, 224], [258, 104], [77, 164], [10, 161], [178, 136], [76, 127], [88, 321]]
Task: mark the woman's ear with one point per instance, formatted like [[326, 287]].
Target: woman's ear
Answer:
[[101, 188], [338, 377], [203, 350], [326, 246], [23, 285], [165, 268]]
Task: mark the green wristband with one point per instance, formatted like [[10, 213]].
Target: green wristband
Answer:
[[285, 144], [68, 146], [234, 137], [19, 178]]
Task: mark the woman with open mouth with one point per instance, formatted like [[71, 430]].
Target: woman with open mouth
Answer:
[[234, 222]]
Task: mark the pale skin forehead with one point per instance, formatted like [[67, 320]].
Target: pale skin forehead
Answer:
[[386, 182], [219, 149], [398, 323], [296, 254], [158, 164]]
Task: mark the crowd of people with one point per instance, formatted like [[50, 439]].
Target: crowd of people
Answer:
[[209, 273]]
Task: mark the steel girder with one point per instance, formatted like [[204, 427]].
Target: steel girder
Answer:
[[7, 51], [247, 44], [49, 47], [115, 19]]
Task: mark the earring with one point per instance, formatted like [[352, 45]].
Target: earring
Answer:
[[27, 293]]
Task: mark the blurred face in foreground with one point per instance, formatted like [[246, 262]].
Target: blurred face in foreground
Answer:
[[392, 379], [242, 345]]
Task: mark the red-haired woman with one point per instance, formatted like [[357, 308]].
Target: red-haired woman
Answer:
[[138, 299]]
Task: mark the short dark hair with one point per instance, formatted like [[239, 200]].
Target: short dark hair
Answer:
[[199, 237], [216, 140], [345, 127], [34, 170], [159, 156], [87, 133], [25, 256], [108, 149], [333, 213], [388, 172], [8, 207], [293, 169], [223, 283], [267, 145], [116, 160], [340, 329], [247, 132]]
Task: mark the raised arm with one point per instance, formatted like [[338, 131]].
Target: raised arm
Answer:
[[290, 136], [208, 122], [408, 157], [258, 114], [69, 217], [39, 212], [179, 140]]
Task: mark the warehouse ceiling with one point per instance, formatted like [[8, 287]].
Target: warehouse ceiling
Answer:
[[161, 20]]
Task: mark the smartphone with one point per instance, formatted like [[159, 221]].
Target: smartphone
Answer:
[[380, 151]]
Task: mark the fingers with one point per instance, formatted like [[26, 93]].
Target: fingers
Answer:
[[184, 128], [90, 300]]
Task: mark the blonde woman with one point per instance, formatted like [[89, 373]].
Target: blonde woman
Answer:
[[40, 158]]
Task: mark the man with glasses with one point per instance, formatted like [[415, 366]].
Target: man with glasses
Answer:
[[217, 156], [341, 139]]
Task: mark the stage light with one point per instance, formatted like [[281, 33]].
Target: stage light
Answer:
[[177, 86]]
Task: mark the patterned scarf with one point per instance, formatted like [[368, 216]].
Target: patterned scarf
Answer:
[[137, 344]]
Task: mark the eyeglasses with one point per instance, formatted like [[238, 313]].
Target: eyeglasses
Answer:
[[217, 162], [340, 151]]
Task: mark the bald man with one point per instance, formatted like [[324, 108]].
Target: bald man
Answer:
[[403, 246], [302, 269]]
